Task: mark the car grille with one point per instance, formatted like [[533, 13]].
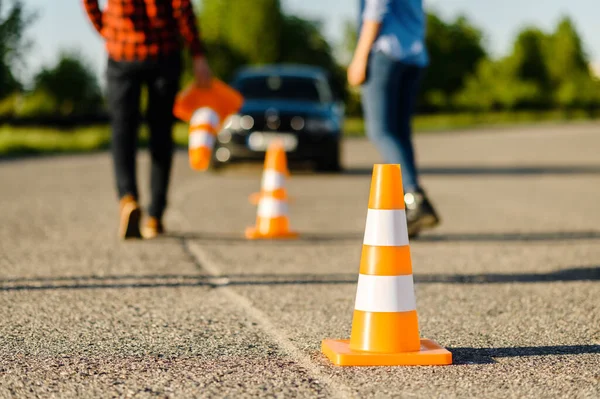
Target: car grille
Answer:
[[285, 123]]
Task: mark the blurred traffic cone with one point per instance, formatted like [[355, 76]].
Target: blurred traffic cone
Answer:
[[272, 214], [203, 131], [385, 328], [275, 172]]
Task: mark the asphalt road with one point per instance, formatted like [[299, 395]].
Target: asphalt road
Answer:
[[509, 283]]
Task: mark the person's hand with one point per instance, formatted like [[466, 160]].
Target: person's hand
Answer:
[[357, 71], [202, 72]]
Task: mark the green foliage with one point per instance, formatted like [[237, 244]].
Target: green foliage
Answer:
[[544, 70], [573, 84], [579, 91], [530, 67], [13, 43], [224, 60], [495, 86], [565, 55], [528, 57], [9, 104], [258, 32], [37, 103], [303, 43], [68, 88], [454, 49], [14, 140], [250, 28]]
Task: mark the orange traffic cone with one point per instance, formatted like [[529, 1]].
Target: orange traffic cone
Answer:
[[385, 328], [272, 215], [219, 96], [275, 172], [203, 131]]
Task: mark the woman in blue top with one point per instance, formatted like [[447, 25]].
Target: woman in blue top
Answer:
[[388, 62]]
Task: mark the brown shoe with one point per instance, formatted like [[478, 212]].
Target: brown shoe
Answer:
[[153, 228], [130, 215]]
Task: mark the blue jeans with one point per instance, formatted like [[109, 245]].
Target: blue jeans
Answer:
[[388, 99]]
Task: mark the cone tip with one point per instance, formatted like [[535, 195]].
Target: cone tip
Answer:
[[386, 187], [276, 157]]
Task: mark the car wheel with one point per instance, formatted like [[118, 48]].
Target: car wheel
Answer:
[[330, 162]]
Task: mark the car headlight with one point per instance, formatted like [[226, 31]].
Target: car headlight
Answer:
[[233, 123], [320, 125], [237, 123]]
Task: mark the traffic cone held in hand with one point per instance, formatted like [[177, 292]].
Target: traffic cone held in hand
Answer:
[[385, 328], [203, 131], [205, 109], [219, 96], [272, 214], [275, 172]]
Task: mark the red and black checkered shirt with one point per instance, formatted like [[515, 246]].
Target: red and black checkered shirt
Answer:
[[145, 29]]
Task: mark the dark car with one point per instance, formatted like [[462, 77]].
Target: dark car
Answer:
[[294, 103]]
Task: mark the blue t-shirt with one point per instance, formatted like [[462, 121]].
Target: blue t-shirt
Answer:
[[402, 33]]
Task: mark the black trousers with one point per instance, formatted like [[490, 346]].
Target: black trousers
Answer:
[[125, 80]]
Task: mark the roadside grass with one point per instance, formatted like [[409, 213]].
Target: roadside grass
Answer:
[[41, 140], [460, 121], [15, 141]]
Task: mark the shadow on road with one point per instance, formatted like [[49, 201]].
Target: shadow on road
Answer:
[[176, 280], [487, 355], [304, 238], [473, 170], [307, 238], [493, 237]]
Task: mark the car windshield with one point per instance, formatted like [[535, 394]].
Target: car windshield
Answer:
[[283, 88]]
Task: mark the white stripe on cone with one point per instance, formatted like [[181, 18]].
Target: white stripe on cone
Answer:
[[385, 293], [386, 228], [272, 180], [201, 138], [271, 207], [203, 116]]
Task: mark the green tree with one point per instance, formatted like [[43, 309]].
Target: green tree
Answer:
[[529, 65], [250, 28], [14, 21], [528, 54], [455, 49], [303, 43], [239, 32], [223, 61], [565, 55], [568, 63], [213, 20], [495, 86], [579, 91], [68, 88]]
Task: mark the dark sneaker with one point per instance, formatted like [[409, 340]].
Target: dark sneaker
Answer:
[[129, 215], [153, 228], [420, 214]]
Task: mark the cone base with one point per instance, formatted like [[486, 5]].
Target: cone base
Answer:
[[253, 234], [431, 354]]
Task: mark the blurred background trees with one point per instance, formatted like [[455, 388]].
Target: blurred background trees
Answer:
[[543, 71], [13, 44]]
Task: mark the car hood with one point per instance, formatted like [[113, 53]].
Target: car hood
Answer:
[[287, 107]]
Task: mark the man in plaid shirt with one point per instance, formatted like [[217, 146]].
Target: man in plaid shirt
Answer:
[[143, 42]]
